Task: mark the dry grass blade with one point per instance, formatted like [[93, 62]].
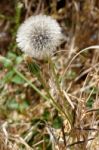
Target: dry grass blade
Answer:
[[50, 104]]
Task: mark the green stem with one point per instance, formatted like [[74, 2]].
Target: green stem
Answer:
[[37, 90], [31, 84], [68, 116]]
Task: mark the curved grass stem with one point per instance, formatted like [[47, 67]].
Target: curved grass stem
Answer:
[[38, 91]]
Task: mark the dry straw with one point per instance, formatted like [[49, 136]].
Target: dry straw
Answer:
[[39, 36]]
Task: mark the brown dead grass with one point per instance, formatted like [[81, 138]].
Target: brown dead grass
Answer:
[[28, 129]]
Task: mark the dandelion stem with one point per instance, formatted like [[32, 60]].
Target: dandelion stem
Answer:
[[31, 84], [38, 91], [68, 116]]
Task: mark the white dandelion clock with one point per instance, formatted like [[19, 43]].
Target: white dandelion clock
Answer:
[[39, 36]]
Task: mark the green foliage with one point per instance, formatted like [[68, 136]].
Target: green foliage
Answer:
[[11, 76], [46, 114], [11, 60], [23, 106], [21, 101], [14, 58], [90, 102], [34, 68], [18, 9], [6, 62], [8, 76], [57, 122], [17, 79], [14, 105], [93, 91]]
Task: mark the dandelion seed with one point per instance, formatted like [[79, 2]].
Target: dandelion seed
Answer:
[[39, 36]]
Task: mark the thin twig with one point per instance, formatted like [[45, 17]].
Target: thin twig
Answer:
[[79, 142]]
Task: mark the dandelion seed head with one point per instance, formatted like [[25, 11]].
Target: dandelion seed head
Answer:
[[39, 36]]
